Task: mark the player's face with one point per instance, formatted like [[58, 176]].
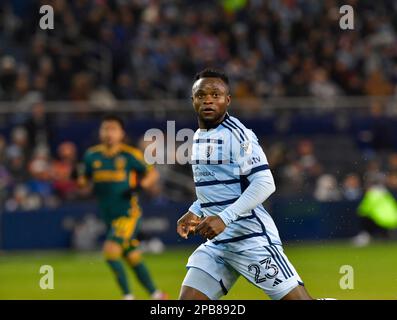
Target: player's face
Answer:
[[210, 99], [111, 133]]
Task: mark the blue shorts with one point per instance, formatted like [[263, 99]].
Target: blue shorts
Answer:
[[214, 271]]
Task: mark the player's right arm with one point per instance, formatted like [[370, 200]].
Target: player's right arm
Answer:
[[188, 222], [85, 174]]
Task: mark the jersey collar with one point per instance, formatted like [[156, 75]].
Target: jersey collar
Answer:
[[224, 118], [110, 153]]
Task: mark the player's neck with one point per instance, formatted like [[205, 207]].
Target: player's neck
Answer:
[[210, 125], [112, 148]]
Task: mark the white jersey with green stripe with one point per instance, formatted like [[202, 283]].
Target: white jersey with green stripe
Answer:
[[223, 161]]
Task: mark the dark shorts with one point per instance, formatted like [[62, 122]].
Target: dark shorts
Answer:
[[124, 230]]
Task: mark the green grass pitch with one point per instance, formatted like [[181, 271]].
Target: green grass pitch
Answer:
[[86, 276]]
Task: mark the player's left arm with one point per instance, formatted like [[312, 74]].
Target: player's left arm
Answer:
[[254, 167], [150, 181], [148, 175], [260, 188]]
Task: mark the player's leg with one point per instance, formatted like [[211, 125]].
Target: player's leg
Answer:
[[133, 256], [298, 293], [113, 254], [189, 293], [293, 291], [208, 278], [118, 239], [269, 269], [208, 287], [134, 259]]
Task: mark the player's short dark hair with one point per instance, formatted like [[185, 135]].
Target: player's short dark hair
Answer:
[[212, 73], [113, 117]]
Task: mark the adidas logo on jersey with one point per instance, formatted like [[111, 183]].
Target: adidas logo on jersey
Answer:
[[276, 282]]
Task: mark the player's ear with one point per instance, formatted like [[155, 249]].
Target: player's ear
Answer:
[[229, 99]]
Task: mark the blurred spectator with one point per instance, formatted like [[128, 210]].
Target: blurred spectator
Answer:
[[8, 75], [40, 181], [301, 169], [352, 187], [17, 155], [5, 179], [391, 182], [307, 158], [81, 86], [102, 98], [21, 199], [292, 179], [276, 155], [308, 162], [19, 143], [124, 87], [16, 165], [3, 147], [327, 189], [320, 85], [62, 170], [392, 162], [373, 171], [38, 126], [378, 85]]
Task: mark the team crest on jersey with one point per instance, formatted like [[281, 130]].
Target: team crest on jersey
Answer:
[[97, 164], [247, 147], [208, 151], [120, 163]]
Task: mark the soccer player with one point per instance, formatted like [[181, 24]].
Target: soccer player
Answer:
[[117, 172], [232, 179]]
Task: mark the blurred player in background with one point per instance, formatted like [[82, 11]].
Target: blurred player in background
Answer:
[[378, 213], [232, 179], [117, 172]]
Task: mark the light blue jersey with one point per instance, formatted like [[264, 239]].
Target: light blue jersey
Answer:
[[223, 160], [232, 179]]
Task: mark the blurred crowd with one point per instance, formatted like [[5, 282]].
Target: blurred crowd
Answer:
[[298, 171], [102, 51], [32, 176], [106, 50]]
